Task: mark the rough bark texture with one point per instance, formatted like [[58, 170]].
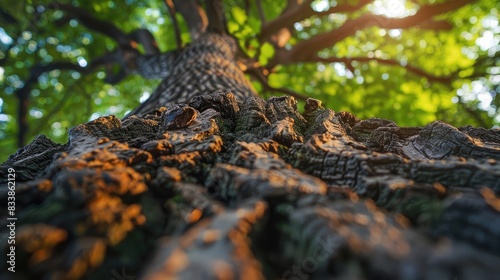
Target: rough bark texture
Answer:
[[222, 189], [206, 66], [227, 185]]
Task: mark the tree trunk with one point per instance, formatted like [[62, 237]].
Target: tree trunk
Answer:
[[229, 186], [206, 66]]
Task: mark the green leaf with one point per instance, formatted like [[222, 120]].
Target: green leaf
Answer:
[[239, 15], [254, 24], [266, 52], [232, 27]]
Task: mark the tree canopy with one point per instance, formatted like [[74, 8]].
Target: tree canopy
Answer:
[[61, 63]]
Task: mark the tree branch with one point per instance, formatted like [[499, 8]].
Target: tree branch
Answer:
[[9, 19], [42, 122], [91, 22], [172, 11], [413, 69], [262, 79], [308, 47], [22, 117], [283, 35], [216, 20], [473, 113], [194, 15], [126, 56], [436, 25], [297, 13], [416, 70], [260, 11], [146, 39], [36, 71]]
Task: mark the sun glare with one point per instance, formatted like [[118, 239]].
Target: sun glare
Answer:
[[320, 6], [387, 8], [390, 8]]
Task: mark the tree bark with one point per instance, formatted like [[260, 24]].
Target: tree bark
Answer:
[[227, 185], [206, 66]]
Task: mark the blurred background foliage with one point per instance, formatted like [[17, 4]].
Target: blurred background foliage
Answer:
[[465, 59]]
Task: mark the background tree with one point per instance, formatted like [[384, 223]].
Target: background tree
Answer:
[[204, 179], [431, 60]]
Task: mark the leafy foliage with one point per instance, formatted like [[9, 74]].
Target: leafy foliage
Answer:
[[458, 83]]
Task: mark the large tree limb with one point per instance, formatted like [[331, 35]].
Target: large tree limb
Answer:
[[146, 39], [125, 41], [172, 11], [302, 11], [91, 22], [282, 35], [194, 15], [215, 12], [311, 46]]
